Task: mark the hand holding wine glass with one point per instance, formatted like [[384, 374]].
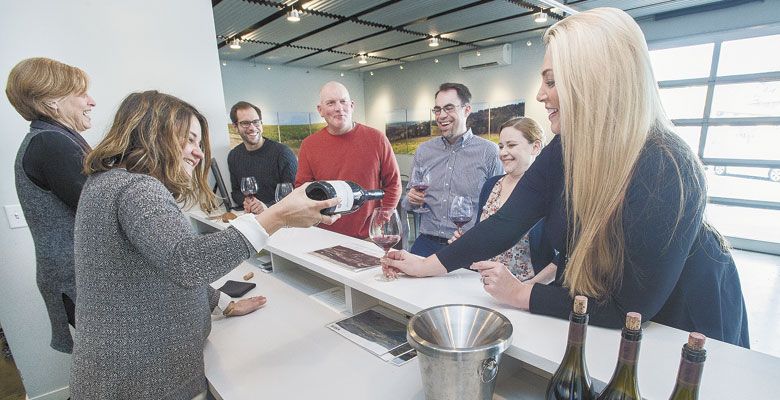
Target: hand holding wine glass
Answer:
[[385, 229], [420, 182], [461, 212]]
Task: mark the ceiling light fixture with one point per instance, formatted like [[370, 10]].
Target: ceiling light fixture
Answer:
[[235, 44], [294, 15], [372, 73], [268, 68], [436, 60], [528, 43], [224, 63], [363, 59], [434, 42], [400, 67], [342, 74], [478, 53], [540, 17]]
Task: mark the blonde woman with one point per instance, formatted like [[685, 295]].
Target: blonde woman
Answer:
[[622, 196], [54, 97], [142, 314], [520, 140]]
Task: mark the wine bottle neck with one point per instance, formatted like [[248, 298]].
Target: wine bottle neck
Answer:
[[376, 194], [691, 367]]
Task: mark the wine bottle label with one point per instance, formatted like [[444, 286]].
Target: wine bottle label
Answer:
[[343, 192], [629, 351], [689, 373]]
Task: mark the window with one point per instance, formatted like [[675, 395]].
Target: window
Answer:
[[727, 93]]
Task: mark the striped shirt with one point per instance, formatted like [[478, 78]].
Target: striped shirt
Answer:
[[458, 169]]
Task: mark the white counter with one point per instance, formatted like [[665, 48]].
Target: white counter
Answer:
[[731, 372]]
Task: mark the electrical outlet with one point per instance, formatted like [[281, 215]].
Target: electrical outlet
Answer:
[[15, 216]]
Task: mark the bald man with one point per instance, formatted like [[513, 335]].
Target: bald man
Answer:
[[346, 150]]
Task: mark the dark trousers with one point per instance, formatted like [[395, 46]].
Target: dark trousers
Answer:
[[425, 245]]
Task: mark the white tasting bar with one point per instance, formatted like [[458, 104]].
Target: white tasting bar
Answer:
[[285, 350]]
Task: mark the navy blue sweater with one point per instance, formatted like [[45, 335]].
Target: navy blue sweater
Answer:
[[675, 272]]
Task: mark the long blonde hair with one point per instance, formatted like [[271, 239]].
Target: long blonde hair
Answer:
[[147, 136], [609, 104]]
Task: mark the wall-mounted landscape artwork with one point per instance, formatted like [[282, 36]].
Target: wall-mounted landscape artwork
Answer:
[[406, 129], [289, 128]]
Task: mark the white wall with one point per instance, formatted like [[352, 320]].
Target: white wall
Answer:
[[124, 46], [285, 89]]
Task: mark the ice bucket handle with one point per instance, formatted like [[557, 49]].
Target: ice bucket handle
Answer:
[[488, 370]]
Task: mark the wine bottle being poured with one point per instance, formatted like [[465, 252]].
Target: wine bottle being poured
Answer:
[[352, 195]]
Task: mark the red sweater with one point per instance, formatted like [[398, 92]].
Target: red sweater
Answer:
[[362, 155]]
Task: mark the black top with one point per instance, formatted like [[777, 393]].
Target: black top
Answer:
[[272, 163], [54, 161], [542, 253], [675, 273]]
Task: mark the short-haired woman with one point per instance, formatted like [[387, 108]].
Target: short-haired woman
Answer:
[[520, 140], [622, 195], [53, 97], [144, 304]]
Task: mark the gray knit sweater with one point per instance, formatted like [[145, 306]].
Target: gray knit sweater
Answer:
[[143, 310]]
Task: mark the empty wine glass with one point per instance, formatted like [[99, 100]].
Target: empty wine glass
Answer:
[[461, 212], [282, 189], [385, 230], [248, 186], [420, 181]]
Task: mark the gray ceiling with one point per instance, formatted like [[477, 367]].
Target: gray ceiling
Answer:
[[331, 34]]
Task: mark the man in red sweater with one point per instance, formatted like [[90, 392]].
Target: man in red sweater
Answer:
[[346, 150]]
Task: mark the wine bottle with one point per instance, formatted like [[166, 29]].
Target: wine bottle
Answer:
[[623, 384], [691, 367], [571, 381], [351, 194]]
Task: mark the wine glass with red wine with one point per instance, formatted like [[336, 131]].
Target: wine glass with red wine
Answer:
[[385, 229], [420, 181], [461, 212], [248, 186]]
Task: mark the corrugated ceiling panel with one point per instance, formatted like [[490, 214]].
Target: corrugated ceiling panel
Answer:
[[437, 53], [318, 59], [233, 16], [535, 38], [282, 55], [468, 17], [638, 8], [405, 50], [499, 28], [379, 66], [246, 50], [341, 7], [338, 34], [411, 10], [377, 42], [281, 30]]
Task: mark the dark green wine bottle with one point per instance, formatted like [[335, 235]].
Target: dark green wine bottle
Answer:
[[691, 367], [571, 381], [623, 385]]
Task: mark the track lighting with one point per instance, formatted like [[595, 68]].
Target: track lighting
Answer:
[[294, 15]]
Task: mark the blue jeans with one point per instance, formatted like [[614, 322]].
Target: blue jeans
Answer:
[[425, 245]]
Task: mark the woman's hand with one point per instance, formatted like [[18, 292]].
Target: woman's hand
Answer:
[[253, 205], [411, 265], [455, 236], [297, 210], [501, 284], [244, 306]]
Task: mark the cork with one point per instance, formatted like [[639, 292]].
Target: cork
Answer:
[[633, 321], [249, 275], [696, 341], [580, 305]]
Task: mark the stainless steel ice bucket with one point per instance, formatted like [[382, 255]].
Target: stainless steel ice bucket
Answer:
[[459, 347]]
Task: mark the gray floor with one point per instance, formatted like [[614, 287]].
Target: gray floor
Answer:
[[760, 278]]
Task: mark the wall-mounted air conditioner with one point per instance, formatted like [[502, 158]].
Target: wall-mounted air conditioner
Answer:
[[486, 57]]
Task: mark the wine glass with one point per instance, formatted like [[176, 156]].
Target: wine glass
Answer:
[[248, 186], [282, 189], [461, 212], [385, 230], [421, 181]]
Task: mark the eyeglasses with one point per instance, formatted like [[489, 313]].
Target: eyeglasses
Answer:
[[449, 108], [245, 124]]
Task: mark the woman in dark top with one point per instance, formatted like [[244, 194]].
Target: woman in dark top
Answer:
[[53, 97], [622, 196]]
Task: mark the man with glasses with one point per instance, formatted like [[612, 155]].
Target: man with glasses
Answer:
[[346, 150], [270, 162], [458, 164]]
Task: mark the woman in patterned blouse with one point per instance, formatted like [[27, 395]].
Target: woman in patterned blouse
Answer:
[[520, 141]]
